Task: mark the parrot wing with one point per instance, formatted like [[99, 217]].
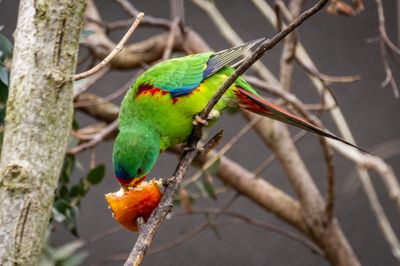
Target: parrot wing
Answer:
[[180, 76]]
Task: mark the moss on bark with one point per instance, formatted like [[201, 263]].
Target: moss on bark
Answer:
[[37, 125]]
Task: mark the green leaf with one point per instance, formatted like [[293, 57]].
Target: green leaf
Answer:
[[200, 188], [70, 220], [209, 187], [213, 169], [65, 255], [78, 84], [85, 33], [63, 252], [6, 47], [79, 190], [96, 174], [205, 188], [61, 206], [58, 216], [64, 193], [3, 93], [231, 110], [75, 259], [4, 75], [75, 125], [211, 222], [72, 142], [68, 166]]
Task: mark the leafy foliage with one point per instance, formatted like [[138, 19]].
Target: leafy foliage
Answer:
[[68, 197], [85, 33], [5, 54], [65, 255]]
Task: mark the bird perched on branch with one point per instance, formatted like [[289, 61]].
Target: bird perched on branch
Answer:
[[159, 109]]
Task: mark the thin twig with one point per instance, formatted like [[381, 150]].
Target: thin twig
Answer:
[[330, 177], [229, 33], [264, 225], [114, 52], [221, 152], [258, 53], [103, 234], [212, 143], [272, 157], [96, 139], [327, 79], [108, 98], [148, 20], [158, 215], [289, 47], [261, 224], [386, 43], [184, 237], [171, 38], [177, 10], [301, 108], [80, 88]]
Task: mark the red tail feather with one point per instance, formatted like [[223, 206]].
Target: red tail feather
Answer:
[[260, 106]]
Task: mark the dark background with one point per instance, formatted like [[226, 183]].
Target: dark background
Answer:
[[338, 46]]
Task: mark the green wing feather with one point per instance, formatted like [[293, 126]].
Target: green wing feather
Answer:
[[180, 76], [174, 74]]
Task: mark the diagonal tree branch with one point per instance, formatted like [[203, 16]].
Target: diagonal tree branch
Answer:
[[147, 234], [114, 52]]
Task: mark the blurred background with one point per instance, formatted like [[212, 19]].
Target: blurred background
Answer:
[[339, 46]]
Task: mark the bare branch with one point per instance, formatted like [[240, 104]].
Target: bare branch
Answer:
[[386, 43], [289, 48], [171, 38], [87, 83], [223, 151], [147, 20], [100, 109], [341, 123], [231, 35], [114, 52], [264, 225], [177, 10], [96, 139]]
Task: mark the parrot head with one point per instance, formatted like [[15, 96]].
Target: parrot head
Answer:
[[134, 155]]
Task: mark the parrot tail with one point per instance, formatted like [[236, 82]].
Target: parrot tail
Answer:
[[258, 105]]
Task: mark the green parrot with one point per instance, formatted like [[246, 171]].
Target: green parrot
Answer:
[[158, 110]]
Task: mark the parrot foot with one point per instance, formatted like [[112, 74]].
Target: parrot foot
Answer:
[[200, 148], [167, 181], [199, 121]]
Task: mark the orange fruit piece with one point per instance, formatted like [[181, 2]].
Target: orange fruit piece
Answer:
[[128, 205]]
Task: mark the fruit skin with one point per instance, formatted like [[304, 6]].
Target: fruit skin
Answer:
[[128, 205]]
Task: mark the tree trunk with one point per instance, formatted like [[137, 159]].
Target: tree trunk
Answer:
[[37, 125]]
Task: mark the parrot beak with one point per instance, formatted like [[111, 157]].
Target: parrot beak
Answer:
[[130, 183]]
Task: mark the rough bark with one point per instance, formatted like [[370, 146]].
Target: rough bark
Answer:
[[38, 121]]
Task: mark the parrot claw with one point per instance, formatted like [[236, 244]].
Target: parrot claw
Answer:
[[168, 180], [187, 148], [199, 121], [199, 148]]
